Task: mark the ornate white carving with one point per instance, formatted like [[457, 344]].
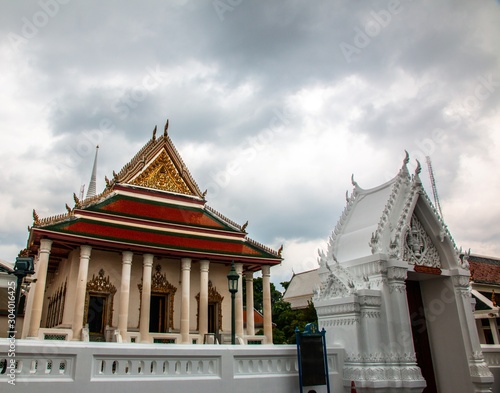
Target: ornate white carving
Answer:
[[399, 288], [389, 357], [382, 373], [337, 281], [370, 314], [477, 365], [340, 322], [338, 309], [397, 273], [418, 247]]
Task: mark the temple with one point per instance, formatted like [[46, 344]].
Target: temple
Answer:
[[146, 260]]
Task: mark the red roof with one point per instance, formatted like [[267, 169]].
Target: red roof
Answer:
[[484, 270]]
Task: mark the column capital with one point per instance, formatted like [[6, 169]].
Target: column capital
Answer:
[[204, 265], [266, 271], [127, 257], [239, 268], [85, 251], [148, 260], [186, 263], [248, 275], [45, 245]]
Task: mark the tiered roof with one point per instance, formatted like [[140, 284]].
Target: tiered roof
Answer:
[[151, 205]]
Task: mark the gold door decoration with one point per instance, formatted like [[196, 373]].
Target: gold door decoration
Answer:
[[160, 285], [163, 175], [213, 297], [100, 285]]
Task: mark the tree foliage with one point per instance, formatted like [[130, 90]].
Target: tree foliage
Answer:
[[285, 320]]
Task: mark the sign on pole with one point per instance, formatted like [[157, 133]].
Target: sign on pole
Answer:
[[312, 359]]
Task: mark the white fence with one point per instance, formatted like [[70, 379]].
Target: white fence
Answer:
[[50, 366], [491, 355]]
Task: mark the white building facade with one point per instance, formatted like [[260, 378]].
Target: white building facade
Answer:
[[395, 294]]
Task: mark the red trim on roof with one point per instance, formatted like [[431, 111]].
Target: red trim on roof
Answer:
[[93, 215], [162, 240], [159, 212]]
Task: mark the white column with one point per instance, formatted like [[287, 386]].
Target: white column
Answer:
[[186, 290], [203, 312], [266, 300], [124, 294], [238, 301], [81, 291], [41, 281], [250, 306], [147, 266]]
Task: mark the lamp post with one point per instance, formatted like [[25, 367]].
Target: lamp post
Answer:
[[22, 267], [232, 281]]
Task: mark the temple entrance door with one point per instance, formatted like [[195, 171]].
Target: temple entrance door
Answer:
[[96, 317], [213, 320], [158, 315], [420, 334]]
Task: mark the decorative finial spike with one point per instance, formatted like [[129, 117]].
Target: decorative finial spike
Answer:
[[407, 158], [165, 129], [204, 193], [36, 219], [280, 250], [154, 133], [418, 169], [77, 201], [244, 226], [354, 183]]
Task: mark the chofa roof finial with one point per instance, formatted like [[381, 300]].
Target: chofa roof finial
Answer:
[[418, 169], [154, 134], [165, 129], [406, 159], [354, 183]]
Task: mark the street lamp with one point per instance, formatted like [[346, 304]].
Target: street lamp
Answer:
[[22, 267], [232, 282]]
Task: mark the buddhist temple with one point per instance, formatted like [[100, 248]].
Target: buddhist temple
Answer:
[[146, 260]]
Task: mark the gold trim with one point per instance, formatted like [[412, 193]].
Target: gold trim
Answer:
[[163, 175], [100, 285]]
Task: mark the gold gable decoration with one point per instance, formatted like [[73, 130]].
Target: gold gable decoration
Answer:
[[162, 174]]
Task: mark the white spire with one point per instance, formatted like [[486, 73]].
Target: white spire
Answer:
[[92, 185]]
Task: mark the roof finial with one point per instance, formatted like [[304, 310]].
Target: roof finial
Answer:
[[92, 185], [154, 134], [418, 169], [165, 129], [354, 183], [406, 159]]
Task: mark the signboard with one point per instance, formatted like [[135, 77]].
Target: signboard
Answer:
[[312, 359]]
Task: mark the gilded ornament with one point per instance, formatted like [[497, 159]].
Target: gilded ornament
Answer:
[[163, 175]]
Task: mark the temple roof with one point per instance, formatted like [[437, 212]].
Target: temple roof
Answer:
[[151, 205], [300, 289], [375, 220], [484, 270]]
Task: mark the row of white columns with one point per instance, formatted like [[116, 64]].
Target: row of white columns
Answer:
[[127, 256]]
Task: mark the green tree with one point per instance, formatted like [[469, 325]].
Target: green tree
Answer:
[[285, 320]]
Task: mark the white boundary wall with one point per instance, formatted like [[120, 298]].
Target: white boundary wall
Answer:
[[53, 367]]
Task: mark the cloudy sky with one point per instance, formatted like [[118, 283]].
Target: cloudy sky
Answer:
[[272, 106]]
